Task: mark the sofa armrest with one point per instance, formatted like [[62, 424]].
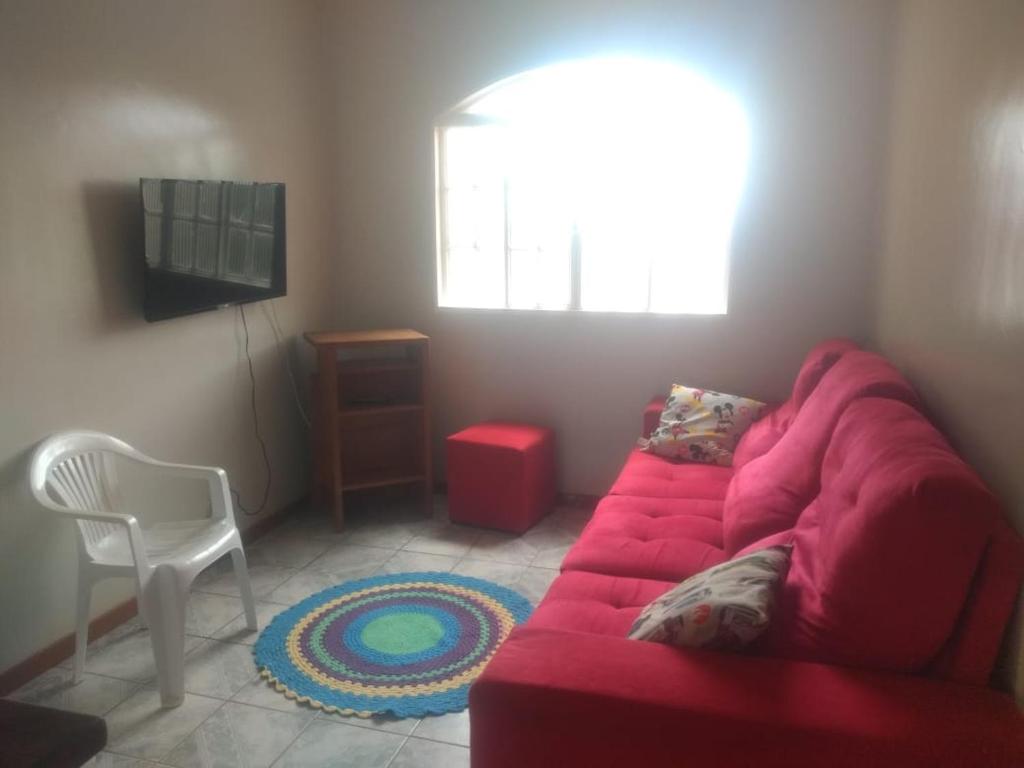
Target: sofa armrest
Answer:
[[652, 415], [551, 697]]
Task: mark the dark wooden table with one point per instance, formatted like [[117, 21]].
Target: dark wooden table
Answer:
[[47, 738]]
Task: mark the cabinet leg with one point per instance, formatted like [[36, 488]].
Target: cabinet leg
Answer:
[[428, 498], [338, 511]]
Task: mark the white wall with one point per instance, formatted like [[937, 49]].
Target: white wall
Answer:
[[951, 274], [813, 79], [94, 95]]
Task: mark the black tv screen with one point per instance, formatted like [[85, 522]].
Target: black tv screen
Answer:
[[211, 244]]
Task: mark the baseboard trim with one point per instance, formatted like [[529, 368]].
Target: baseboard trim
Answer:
[[562, 498], [578, 500], [265, 525], [12, 678]]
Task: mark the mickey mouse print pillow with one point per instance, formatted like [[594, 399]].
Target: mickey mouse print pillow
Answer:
[[701, 425]]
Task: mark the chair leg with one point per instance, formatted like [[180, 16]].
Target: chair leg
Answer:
[[245, 587], [140, 614], [163, 598], [81, 626]]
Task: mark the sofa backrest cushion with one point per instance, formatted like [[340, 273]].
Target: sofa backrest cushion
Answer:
[[884, 556], [766, 432], [767, 495]]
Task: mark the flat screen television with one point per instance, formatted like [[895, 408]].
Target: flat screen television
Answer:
[[211, 244]]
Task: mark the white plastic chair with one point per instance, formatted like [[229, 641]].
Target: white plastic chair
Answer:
[[73, 473]]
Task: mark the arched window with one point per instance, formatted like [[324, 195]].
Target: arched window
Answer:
[[602, 185]]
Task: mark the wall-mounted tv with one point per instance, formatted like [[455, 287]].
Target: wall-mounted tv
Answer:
[[210, 244]]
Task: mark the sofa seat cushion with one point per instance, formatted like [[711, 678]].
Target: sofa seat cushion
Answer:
[[669, 539], [595, 603], [647, 475], [768, 494], [885, 555], [769, 429]]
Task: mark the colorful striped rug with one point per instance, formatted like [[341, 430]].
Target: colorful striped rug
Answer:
[[407, 645]]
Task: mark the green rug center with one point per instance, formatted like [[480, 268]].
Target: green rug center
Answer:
[[401, 633]]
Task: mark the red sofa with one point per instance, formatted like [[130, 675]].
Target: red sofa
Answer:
[[903, 577]]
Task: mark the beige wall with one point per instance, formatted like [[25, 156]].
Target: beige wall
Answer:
[[951, 277], [94, 95], [812, 77]]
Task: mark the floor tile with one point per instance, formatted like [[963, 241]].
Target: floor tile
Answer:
[[350, 561], [386, 535], [572, 519], [206, 613], [218, 669], [93, 695], [308, 582], [444, 539], [406, 562], [420, 753], [327, 744], [534, 583], [506, 574], [452, 728], [292, 549], [237, 631], [139, 727], [551, 558], [403, 726], [133, 626], [549, 534], [130, 657], [260, 693], [237, 736], [503, 548], [264, 579]]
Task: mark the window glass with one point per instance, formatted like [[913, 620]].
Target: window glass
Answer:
[[607, 185]]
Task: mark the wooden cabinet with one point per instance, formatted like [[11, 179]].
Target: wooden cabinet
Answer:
[[371, 414]]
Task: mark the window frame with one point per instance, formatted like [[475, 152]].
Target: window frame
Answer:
[[459, 117]]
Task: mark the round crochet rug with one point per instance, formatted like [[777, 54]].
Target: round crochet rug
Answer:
[[408, 644]]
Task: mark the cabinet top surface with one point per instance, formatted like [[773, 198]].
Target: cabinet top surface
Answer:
[[342, 338]]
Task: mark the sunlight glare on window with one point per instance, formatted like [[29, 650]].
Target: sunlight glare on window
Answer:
[[604, 185]]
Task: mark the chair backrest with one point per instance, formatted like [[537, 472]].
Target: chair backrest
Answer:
[[74, 471]]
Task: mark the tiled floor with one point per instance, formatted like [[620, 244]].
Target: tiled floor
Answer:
[[232, 718]]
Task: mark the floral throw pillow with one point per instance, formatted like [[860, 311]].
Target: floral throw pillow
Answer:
[[725, 607], [701, 425]]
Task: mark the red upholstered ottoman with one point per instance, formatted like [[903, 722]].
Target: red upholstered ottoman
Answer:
[[501, 475]]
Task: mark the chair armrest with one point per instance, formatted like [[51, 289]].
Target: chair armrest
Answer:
[[217, 479], [116, 518], [113, 518], [186, 470], [552, 697]]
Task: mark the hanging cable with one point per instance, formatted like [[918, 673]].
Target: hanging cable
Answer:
[[256, 427], [275, 325]]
